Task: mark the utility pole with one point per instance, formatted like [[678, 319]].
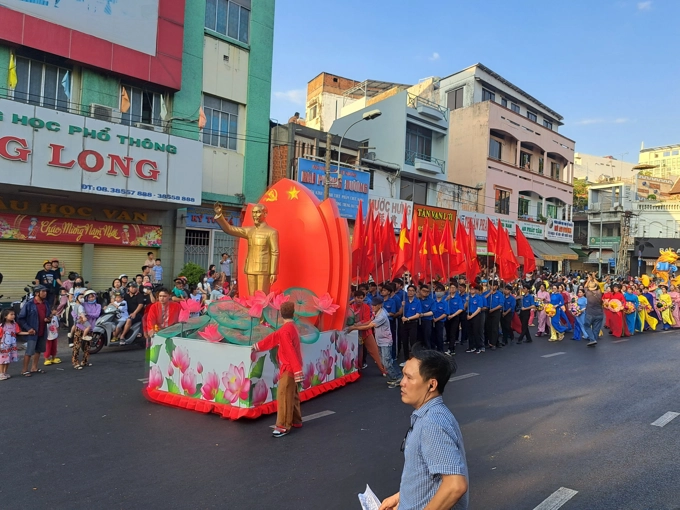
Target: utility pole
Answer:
[[327, 181], [623, 246]]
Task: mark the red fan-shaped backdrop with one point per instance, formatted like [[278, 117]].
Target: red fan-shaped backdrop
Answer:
[[313, 245]]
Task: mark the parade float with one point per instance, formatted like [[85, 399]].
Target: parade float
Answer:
[[293, 248]]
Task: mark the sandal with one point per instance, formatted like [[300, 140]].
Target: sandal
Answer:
[[78, 367], [26, 374], [83, 364], [4, 377], [39, 371]]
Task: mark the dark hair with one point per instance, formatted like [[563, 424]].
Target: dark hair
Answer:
[[163, 289], [158, 260], [192, 288], [424, 286], [435, 365], [411, 287], [399, 281], [5, 313], [363, 286], [359, 293], [389, 287], [144, 268], [225, 253], [372, 284], [438, 287], [149, 253], [287, 310], [140, 275]]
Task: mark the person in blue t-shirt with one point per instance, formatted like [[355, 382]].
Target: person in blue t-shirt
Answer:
[[486, 294], [475, 306], [464, 324], [392, 306], [425, 328], [528, 304], [456, 309], [493, 319], [411, 310], [440, 312], [400, 295], [371, 293], [509, 304]]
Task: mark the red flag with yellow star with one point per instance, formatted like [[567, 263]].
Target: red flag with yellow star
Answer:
[[453, 261], [403, 249], [358, 244]]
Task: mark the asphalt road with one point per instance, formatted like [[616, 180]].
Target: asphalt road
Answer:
[[531, 424]]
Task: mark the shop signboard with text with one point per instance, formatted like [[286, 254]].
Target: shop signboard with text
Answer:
[[393, 208], [559, 230], [531, 230], [348, 188], [606, 242], [435, 215], [205, 218], [480, 222], [54, 150], [67, 230]]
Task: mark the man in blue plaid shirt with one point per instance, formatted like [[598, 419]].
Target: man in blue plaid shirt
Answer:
[[435, 474]]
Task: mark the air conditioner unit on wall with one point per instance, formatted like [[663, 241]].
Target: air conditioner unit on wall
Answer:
[[148, 127], [105, 113]]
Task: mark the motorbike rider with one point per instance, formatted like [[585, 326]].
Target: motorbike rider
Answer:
[[91, 310], [136, 302]]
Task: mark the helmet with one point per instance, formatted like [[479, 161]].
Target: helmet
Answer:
[[90, 293], [38, 288]]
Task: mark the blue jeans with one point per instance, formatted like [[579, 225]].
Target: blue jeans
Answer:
[[386, 358], [593, 326]]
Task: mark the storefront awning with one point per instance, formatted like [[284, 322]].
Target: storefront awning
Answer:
[[594, 257], [550, 251], [581, 254]]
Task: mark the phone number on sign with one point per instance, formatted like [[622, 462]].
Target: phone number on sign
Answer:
[[130, 193]]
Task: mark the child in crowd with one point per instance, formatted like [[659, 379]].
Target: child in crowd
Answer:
[[157, 272], [9, 330], [123, 313], [195, 295], [82, 322], [88, 313], [52, 339]]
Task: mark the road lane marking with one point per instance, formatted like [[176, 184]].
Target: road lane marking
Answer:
[[145, 380], [665, 419], [311, 417], [553, 354], [461, 377], [557, 499]]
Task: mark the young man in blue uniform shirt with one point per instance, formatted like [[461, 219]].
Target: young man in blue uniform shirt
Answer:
[[493, 318], [475, 306], [425, 328], [456, 311], [411, 311], [509, 304], [392, 306], [440, 312], [528, 304]]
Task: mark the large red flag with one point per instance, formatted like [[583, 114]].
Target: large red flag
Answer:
[[368, 263], [492, 237], [415, 256], [358, 244], [385, 249], [404, 251], [437, 261], [424, 254], [453, 262], [506, 260], [461, 241], [524, 250], [473, 268]]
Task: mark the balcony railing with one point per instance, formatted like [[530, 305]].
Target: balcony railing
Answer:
[[414, 102], [412, 158], [528, 170]]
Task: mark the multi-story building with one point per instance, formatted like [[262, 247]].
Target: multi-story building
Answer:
[[235, 63], [99, 136], [595, 168], [506, 143], [663, 161], [100, 126]]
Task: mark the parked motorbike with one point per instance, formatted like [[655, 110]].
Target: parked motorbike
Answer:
[[102, 332], [18, 305]]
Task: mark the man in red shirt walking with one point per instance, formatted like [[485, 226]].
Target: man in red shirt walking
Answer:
[[290, 369]]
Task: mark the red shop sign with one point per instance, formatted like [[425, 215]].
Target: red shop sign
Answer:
[[65, 230]]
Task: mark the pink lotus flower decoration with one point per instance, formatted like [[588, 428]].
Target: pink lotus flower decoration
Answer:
[[155, 378], [188, 382], [241, 301], [236, 384], [308, 375], [278, 300], [180, 358], [257, 302], [260, 392], [199, 368], [347, 361], [342, 344], [189, 306], [211, 333], [324, 366], [211, 385], [171, 371], [325, 304]]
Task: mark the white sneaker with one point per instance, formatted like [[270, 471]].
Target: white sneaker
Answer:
[[87, 338], [70, 335], [70, 345]]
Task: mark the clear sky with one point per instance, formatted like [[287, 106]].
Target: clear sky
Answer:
[[609, 67]]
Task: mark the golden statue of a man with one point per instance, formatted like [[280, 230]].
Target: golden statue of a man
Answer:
[[262, 261]]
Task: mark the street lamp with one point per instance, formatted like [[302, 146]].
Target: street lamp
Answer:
[[370, 115]]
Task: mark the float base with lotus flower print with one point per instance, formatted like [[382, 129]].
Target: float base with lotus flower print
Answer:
[[205, 364]]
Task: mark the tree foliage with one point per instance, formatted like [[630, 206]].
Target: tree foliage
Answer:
[[580, 194]]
